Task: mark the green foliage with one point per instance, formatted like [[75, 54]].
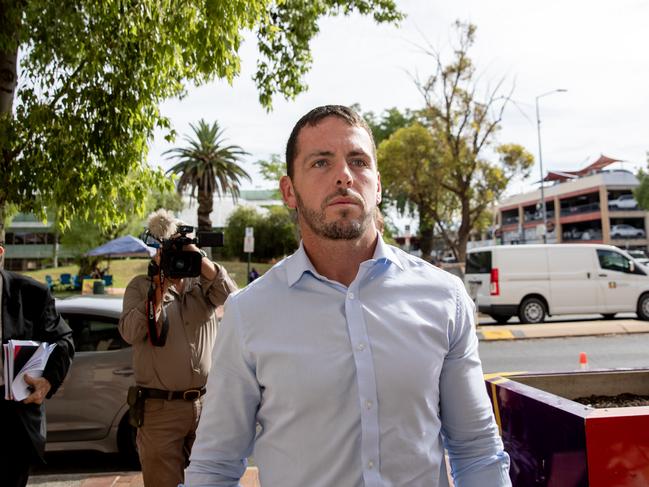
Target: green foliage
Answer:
[[641, 193], [390, 120], [284, 35], [434, 160], [411, 166], [275, 233], [76, 120], [85, 234], [235, 230], [466, 125], [208, 166], [273, 171]]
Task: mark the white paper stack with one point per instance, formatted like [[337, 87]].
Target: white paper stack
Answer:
[[23, 357]]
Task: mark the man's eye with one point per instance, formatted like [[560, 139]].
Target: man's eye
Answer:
[[359, 162], [320, 163]]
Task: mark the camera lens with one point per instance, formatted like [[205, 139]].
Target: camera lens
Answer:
[[179, 264]]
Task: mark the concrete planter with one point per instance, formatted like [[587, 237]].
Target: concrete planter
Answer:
[[556, 442]]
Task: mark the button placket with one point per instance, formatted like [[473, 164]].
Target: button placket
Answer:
[[366, 382]]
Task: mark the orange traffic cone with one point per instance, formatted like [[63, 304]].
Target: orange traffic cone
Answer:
[[583, 361]]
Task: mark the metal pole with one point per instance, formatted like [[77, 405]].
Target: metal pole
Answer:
[[538, 132]]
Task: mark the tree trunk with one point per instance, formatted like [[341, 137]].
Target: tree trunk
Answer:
[[464, 230], [10, 27], [426, 228], [8, 77], [205, 205]]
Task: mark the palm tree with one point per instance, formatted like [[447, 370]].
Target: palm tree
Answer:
[[207, 166]]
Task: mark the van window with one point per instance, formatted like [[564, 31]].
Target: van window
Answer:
[[478, 262], [613, 261]]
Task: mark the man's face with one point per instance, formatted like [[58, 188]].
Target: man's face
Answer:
[[335, 185]]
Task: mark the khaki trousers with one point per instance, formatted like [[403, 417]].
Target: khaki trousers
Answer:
[[165, 440]]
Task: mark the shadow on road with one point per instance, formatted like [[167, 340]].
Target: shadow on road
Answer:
[[83, 462]]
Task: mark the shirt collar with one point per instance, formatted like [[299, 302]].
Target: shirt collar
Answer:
[[386, 253], [299, 263]]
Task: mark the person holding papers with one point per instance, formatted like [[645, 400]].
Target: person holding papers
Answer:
[[28, 313]]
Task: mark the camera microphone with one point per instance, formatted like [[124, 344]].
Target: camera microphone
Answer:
[[162, 224]]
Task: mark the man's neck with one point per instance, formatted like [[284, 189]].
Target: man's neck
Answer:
[[339, 260]]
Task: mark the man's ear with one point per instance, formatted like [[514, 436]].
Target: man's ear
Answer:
[[288, 192]]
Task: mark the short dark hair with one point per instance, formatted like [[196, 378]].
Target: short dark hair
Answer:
[[314, 117]]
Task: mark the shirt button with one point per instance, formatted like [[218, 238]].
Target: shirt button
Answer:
[[369, 404], [350, 295], [370, 464], [360, 347]]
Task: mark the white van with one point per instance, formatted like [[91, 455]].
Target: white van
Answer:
[[533, 281]]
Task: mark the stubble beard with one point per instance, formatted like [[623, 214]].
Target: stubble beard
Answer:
[[343, 228]]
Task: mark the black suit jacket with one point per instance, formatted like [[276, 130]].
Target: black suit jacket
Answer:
[[28, 313]]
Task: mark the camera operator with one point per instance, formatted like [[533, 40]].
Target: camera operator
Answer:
[[171, 323]]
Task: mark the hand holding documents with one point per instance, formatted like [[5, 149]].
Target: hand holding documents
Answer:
[[23, 357]]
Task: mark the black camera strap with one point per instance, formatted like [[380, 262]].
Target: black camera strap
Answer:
[[156, 339]]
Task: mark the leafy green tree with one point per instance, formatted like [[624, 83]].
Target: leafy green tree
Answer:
[[641, 193], [207, 166], [235, 230], [275, 232], [466, 124], [390, 120], [277, 235], [77, 117], [411, 166], [272, 170], [85, 234]]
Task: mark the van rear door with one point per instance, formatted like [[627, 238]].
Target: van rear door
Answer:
[[477, 273]]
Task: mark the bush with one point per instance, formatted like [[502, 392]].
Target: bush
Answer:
[[275, 233]]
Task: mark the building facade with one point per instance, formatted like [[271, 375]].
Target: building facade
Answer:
[[594, 205], [32, 244]]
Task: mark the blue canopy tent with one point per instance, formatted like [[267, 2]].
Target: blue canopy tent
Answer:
[[127, 246]]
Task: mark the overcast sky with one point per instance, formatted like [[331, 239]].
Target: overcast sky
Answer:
[[596, 49]]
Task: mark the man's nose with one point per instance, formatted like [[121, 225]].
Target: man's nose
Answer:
[[344, 175]]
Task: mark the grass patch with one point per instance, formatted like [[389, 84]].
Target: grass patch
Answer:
[[123, 270]]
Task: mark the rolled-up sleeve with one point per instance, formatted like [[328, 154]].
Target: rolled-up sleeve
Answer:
[[469, 430], [226, 431], [133, 323], [218, 289]]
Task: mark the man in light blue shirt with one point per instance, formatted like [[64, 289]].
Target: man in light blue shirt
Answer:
[[349, 363]]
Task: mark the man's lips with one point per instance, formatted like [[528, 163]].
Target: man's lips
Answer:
[[343, 201]]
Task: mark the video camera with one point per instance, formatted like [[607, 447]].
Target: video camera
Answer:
[[176, 262]]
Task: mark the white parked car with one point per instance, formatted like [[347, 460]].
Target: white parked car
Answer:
[[624, 202], [89, 412], [624, 230]]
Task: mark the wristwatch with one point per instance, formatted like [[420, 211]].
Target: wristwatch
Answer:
[[202, 252]]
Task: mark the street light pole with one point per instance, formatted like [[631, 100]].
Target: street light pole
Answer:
[[538, 131]]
